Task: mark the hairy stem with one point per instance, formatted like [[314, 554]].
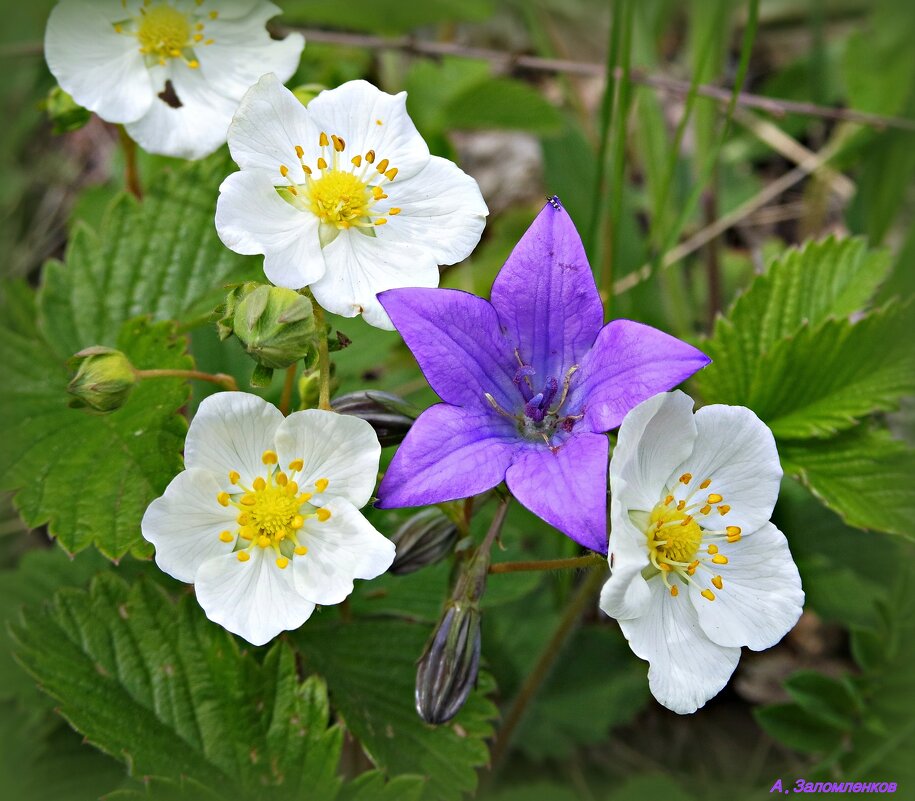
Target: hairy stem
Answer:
[[222, 379], [323, 358], [131, 173], [573, 563], [288, 384]]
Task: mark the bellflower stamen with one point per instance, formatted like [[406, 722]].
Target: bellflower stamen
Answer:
[[522, 379]]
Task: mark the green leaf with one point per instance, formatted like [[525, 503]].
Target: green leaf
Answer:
[[819, 381], [829, 700], [171, 695], [160, 257], [371, 786], [863, 474], [832, 279], [503, 103], [90, 477], [796, 728], [370, 668]]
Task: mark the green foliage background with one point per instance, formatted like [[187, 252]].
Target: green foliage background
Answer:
[[112, 682]]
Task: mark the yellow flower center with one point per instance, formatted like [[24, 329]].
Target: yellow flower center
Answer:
[[340, 198], [677, 528], [164, 31], [340, 190], [272, 511]]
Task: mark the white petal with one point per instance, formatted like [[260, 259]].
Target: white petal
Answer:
[[103, 70], [232, 9], [440, 207], [369, 119], [626, 594], [242, 50], [736, 450], [341, 448], [251, 218], [360, 266], [254, 599], [195, 129], [653, 439], [685, 667], [267, 126], [231, 431], [761, 599], [185, 524], [342, 548]]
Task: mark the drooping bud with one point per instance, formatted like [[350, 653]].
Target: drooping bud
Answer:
[[448, 668], [390, 415], [103, 381], [424, 539], [64, 112], [276, 326]]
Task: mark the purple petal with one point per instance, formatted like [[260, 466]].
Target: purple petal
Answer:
[[567, 487], [456, 339], [629, 363], [546, 296], [450, 453]]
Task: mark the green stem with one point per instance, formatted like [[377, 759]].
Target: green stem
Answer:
[[131, 172], [222, 379], [323, 358], [573, 563], [551, 651], [288, 384]]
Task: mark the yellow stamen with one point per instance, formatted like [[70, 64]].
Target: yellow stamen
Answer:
[[681, 505], [705, 509], [686, 478], [394, 211], [720, 559], [724, 509], [301, 550], [380, 221], [234, 477], [296, 464], [299, 151], [356, 161], [391, 174], [713, 549], [269, 457], [243, 556], [248, 500], [259, 483], [226, 536], [263, 541], [282, 563], [382, 165], [708, 594], [322, 164], [715, 498], [297, 522], [705, 484], [321, 484], [322, 140], [223, 498], [674, 590], [323, 515], [282, 479], [718, 582]]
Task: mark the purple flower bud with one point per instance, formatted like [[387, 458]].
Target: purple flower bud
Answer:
[[389, 415], [424, 539]]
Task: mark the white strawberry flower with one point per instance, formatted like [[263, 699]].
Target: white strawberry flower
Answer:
[[171, 71], [343, 196], [697, 569], [264, 519]]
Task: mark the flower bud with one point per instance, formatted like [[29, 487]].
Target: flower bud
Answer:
[[64, 112], [389, 415], [103, 381], [448, 668], [425, 539], [276, 326]]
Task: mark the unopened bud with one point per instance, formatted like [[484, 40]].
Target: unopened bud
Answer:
[[448, 668], [424, 539], [276, 326], [389, 415], [103, 381], [64, 112]]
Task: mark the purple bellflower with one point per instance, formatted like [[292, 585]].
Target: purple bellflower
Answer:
[[530, 383]]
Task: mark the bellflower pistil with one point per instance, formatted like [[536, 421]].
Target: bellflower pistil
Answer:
[[530, 383]]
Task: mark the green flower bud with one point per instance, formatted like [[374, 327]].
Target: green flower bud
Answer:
[[276, 326], [424, 539], [64, 113], [103, 381], [308, 92], [389, 415]]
